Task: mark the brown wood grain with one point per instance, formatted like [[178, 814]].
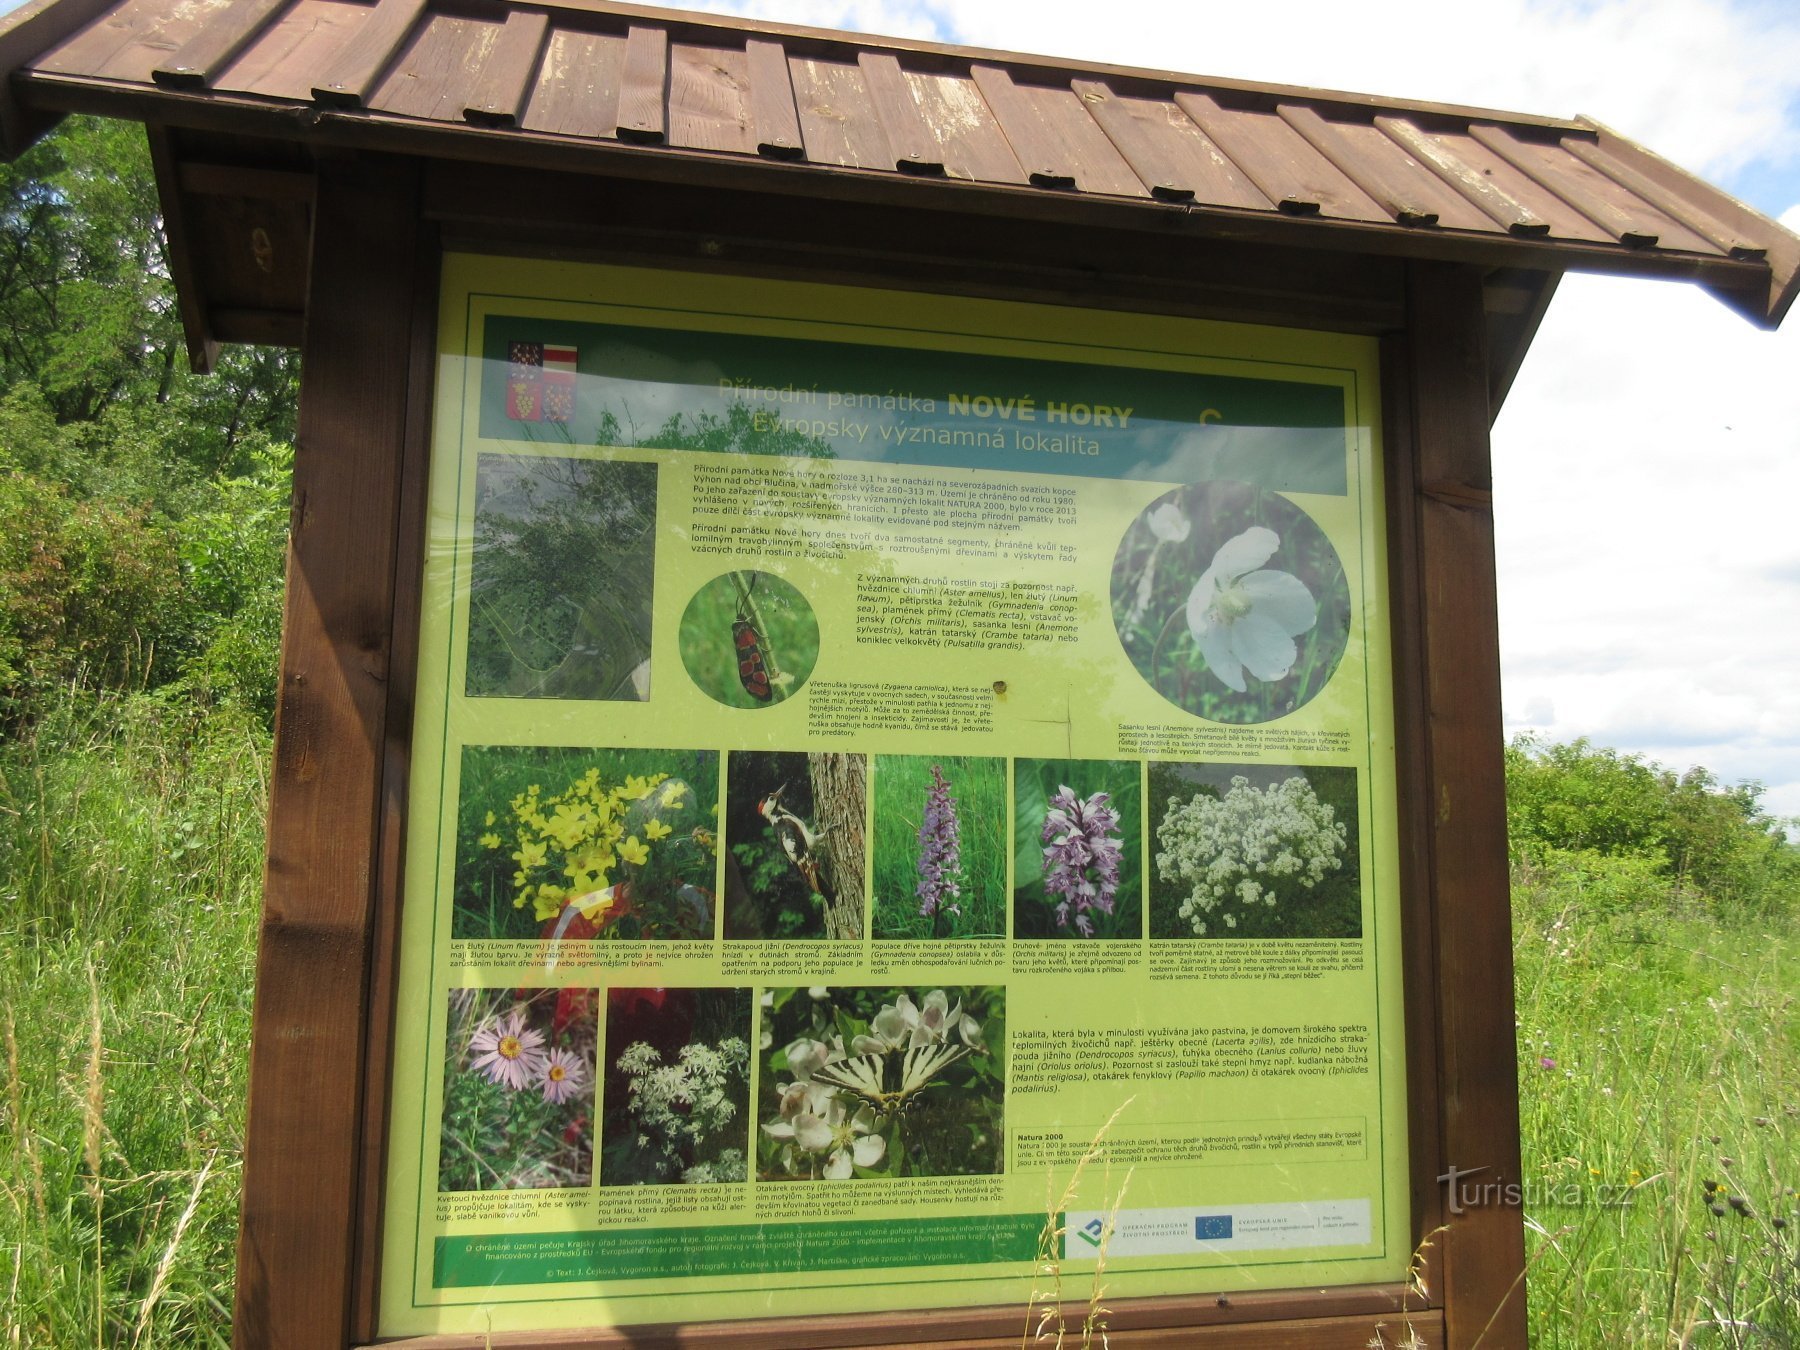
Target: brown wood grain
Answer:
[[411, 541], [577, 91], [285, 60], [510, 70], [773, 115], [129, 41], [207, 52], [303, 1133], [1461, 785], [350, 78], [837, 115], [202, 347], [1382, 177], [1585, 190], [1043, 154], [1499, 205], [25, 35], [643, 116], [709, 100], [441, 59], [1167, 150], [1274, 157], [969, 141], [912, 148]]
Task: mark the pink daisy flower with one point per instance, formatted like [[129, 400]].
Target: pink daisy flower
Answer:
[[508, 1052], [564, 1075]]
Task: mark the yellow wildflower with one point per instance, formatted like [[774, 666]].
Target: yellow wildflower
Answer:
[[489, 840], [633, 852], [489, 822], [596, 903], [654, 829], [531, 854], [548, 902], [673, 793]]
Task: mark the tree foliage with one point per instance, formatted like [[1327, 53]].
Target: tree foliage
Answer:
[[143, 509], [1582, 806]]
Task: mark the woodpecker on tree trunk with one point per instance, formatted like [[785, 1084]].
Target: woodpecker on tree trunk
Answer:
[[797, 839]]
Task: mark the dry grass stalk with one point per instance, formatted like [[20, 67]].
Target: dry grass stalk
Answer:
[[159, 1282], [1047, 1303], [92, 1127], [27, 1142]]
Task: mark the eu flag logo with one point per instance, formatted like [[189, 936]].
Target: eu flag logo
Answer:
[[1212, 1227]]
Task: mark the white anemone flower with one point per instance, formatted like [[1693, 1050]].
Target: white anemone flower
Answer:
[[1168, 524], [1245, 619]]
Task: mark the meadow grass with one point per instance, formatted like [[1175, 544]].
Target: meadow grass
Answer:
[[979, 787], [131, 839], [1660, 1118]]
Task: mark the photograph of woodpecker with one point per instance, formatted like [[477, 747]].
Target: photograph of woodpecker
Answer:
[[796, 846]]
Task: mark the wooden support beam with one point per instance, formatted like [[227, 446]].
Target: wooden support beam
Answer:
[[297, 1246]]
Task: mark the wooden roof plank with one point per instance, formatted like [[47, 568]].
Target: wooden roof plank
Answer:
[[1502, 207], [1401, 200], [773, 116], [837, 115], [1726, 238], [1045, 158], [1536, 195], [1161, 142], [577, 91], [510, 71], [1454, 211], [1284, 167], [443, 58], [915, 149], [210, 50], [289, 54], [130, 40], [643, 117], [25, 34], [349, 80], [1632, 227], [709, 104], [970, 143]]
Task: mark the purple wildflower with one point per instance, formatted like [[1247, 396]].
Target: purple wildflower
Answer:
[[940, 850], [1081, 856]]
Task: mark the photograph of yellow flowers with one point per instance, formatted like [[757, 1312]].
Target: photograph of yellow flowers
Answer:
[[518, 1090], [562, 578], [1230, 601], [572, 844], [796, 855], [940, 847], [881, 1082], [748, 639], [1254, 851], [1077, 836], [676, 1103]]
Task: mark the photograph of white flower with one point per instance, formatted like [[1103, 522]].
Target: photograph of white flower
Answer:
[[1254, 851], [881, 1082], [1230, 601]]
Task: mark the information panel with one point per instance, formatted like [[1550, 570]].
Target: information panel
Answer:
[[869, 747]]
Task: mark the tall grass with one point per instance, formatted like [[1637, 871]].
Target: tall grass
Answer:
[[131, 835], [1660, 1102]]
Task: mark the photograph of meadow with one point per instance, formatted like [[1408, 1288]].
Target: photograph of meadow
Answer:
[[574, 843], [939, 864], [676, 1103], [518, 1090], [1230, 601], [562, 578], [748, 639], [1077, 834], [881, 1082], [796, 859], [1254, 851]]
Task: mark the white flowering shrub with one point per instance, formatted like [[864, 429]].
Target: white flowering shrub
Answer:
[[682, 1111], [1243, 848]]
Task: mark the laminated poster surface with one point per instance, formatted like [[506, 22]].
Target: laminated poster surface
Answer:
[[870, 747]]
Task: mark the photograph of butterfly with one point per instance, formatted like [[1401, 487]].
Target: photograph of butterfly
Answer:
[[881, 1082]]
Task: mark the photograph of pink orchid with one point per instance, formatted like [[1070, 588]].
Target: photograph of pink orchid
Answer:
[[518, 1089], [1230, 601], [1077, 836], [940, 848]]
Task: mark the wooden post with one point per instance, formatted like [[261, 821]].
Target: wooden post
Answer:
[[297, 1242], [1457, 780]]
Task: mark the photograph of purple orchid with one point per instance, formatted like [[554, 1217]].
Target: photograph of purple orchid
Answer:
[[940, 848], [1076, 844]]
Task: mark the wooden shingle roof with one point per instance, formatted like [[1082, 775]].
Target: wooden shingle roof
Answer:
[[586, 85]]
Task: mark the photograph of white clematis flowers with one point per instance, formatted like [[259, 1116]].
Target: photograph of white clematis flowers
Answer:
[[881, 1082], [1230, 601], [1254, 851], [518, 1090]]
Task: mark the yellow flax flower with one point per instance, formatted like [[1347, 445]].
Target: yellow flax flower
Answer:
[[633, 852]]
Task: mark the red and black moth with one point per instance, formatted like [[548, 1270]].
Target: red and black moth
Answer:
[[753, 656]]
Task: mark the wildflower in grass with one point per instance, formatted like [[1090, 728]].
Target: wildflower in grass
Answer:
[[1244, 619], [1241, 845], [1545, 1062], [678, 1107], [508, 1052], [564, 1075], [940, 850], [1081, 856]]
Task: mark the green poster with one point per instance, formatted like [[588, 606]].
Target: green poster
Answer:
[[871, 748]]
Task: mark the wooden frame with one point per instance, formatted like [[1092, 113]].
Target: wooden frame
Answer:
[[308, 1260]]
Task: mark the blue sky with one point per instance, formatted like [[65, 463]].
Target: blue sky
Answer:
[[1647, 463]]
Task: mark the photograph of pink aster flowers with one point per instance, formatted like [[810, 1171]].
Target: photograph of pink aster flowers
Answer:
[[940, 847], [518, 1090], [1077, 841]]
